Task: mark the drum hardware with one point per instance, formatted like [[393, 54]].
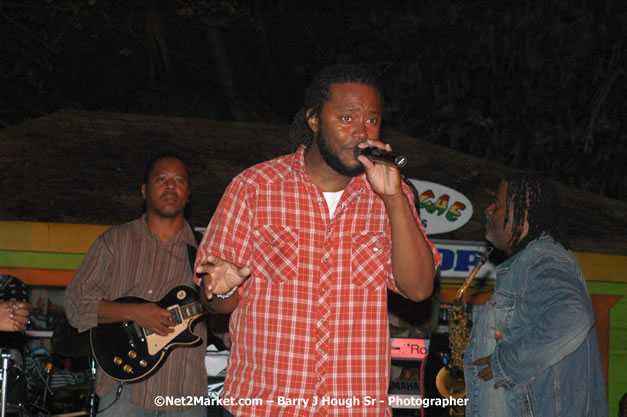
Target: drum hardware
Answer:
[[47, 388], [46, 381], [13, 388], [69, 343], [6, 357], [29, 386]]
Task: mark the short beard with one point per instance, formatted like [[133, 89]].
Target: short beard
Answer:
[[332, 159]]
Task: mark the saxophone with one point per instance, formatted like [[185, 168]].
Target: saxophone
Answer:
[[450, 379]]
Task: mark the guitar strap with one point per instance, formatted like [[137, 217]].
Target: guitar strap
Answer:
[[191, 254], [191, 250]]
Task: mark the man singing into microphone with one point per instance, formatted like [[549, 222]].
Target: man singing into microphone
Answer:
[[302, 249]]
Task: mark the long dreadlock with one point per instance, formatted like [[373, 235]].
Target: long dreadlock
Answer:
[[536, 197], [319, 92]]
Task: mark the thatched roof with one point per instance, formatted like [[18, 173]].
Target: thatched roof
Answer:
[[86, 167]]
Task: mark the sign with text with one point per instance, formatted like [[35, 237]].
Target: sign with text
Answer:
[[442, 209], [459, 257], [409, 348]]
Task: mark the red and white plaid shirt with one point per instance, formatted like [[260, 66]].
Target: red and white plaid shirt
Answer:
[[312, 321]]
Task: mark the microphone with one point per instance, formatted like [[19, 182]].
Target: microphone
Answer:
[[381, 156]]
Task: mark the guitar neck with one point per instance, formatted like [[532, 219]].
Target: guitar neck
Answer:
[[191, 310]]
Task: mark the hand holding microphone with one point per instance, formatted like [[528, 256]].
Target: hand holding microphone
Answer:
[[381, 156]]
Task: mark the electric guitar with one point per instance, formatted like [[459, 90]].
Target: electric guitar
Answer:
[[130, 353]]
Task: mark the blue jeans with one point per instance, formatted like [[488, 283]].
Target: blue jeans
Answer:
[[123, 407]]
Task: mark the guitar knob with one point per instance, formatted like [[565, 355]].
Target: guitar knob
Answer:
[[128, 369], [117, 360], [143, 363], [132, 354]]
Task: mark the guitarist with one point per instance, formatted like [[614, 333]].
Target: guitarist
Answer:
[[143, 258]]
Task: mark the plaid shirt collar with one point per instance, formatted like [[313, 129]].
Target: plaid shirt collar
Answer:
[[359, 182]]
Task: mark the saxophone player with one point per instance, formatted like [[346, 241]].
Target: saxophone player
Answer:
[[534, 349]]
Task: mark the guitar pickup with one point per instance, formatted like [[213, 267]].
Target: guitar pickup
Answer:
[[131, 331], [176, 314]]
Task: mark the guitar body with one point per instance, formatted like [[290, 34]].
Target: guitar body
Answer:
[[127, 352]]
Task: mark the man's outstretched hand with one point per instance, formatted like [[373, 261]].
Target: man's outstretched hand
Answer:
[[220, 276]]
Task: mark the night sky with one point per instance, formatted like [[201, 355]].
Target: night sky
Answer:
[[534, 85]]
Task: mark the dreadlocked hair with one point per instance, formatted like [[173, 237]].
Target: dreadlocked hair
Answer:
[[537, 197], [319, 92]]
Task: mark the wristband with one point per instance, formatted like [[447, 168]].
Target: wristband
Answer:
[[228, 294]]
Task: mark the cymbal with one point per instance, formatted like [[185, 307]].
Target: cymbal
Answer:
[[67, 341]]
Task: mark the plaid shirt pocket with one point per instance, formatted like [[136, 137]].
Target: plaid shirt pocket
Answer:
[[370, 260], [275, 253]]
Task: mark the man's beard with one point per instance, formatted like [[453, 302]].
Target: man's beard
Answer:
[[333, 160]]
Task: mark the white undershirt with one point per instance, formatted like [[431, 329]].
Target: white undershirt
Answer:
[[332, 200]]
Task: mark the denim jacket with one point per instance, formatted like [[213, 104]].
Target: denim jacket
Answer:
[[548, 362]]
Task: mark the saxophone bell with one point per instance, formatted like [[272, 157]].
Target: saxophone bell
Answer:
[[450, 379], [450, 382]]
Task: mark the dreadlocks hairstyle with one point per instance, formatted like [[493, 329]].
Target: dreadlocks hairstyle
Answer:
[[319, 92], [536, 197]]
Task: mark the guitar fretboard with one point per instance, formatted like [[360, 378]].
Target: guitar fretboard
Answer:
[[191, 310]]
